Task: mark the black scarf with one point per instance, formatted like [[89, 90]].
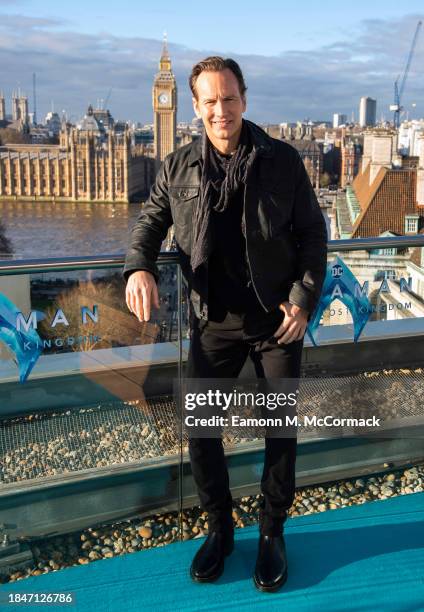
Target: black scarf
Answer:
[[216, 191]]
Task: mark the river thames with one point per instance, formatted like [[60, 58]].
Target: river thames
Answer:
[[65, 229]]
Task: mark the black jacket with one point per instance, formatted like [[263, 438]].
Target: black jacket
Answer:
[[286, 237]]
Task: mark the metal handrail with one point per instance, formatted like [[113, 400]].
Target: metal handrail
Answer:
[[378, 242], [63, 264]]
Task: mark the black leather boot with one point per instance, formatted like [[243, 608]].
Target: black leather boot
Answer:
[[271, 564], [208, 563]]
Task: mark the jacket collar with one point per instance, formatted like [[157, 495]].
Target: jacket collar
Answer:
[[259, 137]]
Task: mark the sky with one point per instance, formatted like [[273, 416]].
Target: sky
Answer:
[[300, 60]]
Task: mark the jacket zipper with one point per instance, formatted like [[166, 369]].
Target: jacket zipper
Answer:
[[247, 256]]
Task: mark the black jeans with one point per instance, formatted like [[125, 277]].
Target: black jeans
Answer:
[[219, 350]]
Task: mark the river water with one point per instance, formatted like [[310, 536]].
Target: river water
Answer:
[[65, 229]]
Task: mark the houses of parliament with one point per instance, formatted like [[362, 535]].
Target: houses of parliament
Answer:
[[94, 161]]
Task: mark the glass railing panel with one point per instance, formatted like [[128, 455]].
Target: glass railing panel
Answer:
[[68, 322], [375, 291], [97, 399], [86, 395], [368, 328]]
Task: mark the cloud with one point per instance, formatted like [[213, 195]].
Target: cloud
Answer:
[[21, 24], [74, 69]]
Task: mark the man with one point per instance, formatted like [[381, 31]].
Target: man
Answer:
[[252, 245]]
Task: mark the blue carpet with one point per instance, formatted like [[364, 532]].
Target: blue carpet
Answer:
[[355, 558]]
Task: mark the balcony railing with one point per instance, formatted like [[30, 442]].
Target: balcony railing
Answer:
[[92, 407]]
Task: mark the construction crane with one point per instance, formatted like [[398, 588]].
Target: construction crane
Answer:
[[101, 103], [108, 95], [396, 107]]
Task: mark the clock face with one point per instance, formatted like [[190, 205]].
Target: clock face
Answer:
[[163, 98]]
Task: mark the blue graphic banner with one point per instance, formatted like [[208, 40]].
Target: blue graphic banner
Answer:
[[25, 345], [341, 284]]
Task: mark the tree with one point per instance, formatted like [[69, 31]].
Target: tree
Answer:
[[5, 244], [116, 326], [10, 136]]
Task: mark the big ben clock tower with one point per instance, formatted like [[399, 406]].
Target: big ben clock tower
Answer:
[[164, 107]]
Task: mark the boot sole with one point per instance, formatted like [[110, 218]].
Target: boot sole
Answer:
[[217, 574], [274, 587]]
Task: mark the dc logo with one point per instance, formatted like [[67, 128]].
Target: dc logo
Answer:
[[340, 284], [336, 271]]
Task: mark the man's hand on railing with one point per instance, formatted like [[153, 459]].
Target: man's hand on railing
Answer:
[[141, 294]]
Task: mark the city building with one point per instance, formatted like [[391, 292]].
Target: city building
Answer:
[[89, 164], [19, 107], [103, 117], [40, 134], [19, 119], [99, 159], [367, 112], [312, 156], [188, 132], [300, 131], [144, 136], [387, 196], [351, 156], [410, 133], [164, 96], [2, 107], [52, 123], [276, 130], [339, 119]]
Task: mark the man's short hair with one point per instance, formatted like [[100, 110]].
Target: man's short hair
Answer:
[[215, 63]]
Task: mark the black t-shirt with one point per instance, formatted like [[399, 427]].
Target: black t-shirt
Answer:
[[230, 288]]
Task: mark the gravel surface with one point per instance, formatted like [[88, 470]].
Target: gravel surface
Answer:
[[43, 445], [138, 534]]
